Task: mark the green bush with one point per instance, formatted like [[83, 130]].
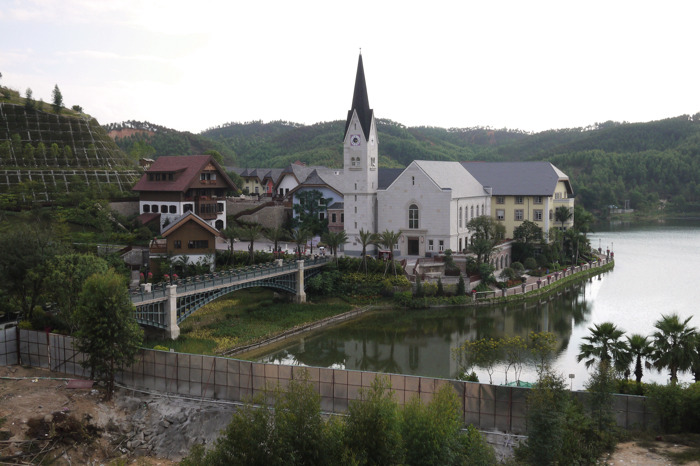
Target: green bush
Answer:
[[531, 263], [518, 267]]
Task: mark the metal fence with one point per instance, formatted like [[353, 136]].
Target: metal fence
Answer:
[[488, 407]]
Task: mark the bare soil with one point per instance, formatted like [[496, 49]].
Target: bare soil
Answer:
[[43, 419]]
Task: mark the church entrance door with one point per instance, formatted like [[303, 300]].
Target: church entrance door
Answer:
[[413, 248]]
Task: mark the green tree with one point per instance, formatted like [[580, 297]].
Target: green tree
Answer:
[[640, 348], [64, 283], [563, 214], [251, 233], [307, 212], [542, 346], [528, 232], [674, 345], [335, 239], [29, 103], [431, 432], [57, 99], [365, 238], [276, 235], [23, 271], [373, 427], [107, 332], [28, 155], [387, 239], [486, 233], [300, 236], [606, 346], [230, 233]]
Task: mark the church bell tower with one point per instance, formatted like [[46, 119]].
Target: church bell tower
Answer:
[[361, 166]]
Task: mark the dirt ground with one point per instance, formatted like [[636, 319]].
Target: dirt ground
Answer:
[[631, 453], [42, 416], [74, 426]]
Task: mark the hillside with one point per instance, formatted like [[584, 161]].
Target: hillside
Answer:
[[143, 139], [608, 163], [47, 156]]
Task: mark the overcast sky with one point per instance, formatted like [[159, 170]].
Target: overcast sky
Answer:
[[190, 65]]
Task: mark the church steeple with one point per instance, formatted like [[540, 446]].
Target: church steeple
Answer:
[[360, 102]]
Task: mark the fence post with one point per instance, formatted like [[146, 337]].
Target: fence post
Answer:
[[301, 294]]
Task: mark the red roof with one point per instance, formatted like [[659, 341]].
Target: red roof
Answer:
[[187, 168]]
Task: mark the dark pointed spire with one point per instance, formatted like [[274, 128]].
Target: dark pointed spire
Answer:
[[360, 102]]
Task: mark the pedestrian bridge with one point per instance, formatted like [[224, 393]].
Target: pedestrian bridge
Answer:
[[166, 305]]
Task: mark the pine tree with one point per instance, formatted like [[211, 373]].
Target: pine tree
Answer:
[[57, 99]]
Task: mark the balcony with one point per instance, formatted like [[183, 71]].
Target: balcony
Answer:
[[206, 209]]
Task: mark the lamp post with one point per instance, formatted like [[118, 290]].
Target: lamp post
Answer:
[[571, 377]]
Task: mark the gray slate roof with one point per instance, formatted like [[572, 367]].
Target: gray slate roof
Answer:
[[518, 178]]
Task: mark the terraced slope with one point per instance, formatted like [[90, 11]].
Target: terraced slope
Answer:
[[44, 155]]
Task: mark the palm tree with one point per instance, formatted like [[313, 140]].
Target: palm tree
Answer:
[[230, 234], [366, 238], [250, 233], [276, 235], [388, 239], [605, 345], [563, 214], [640, 348], [674, 345], [300, 236], [334, 240]]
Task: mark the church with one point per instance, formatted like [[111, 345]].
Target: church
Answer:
[[430, 202]]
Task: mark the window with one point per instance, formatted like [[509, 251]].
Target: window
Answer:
[[500, 214], [198, 244], [518, 199], [519, 214], [441, 245], [321, 215], [413, 216], [172, 209], [460, 218], [154, 208], [177, 244], [355, 197], [557, 195], [538, 200], [170, 177], [477, 211], [551, 214], [355, 186], [257, 189], [430, 245], [187, 208], [333, 218], [342, 217], [355, 209], [146, 208], [472, 215], [373, 162], [164, 209], [500, 200], [413, 180], [537, 214], [220, 206]]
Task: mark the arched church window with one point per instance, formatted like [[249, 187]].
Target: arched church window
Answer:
[[413, 216]]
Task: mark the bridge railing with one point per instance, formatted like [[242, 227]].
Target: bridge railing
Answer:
[[210, 280]]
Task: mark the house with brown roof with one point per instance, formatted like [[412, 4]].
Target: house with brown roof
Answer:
[[176, 185], [188, 236]]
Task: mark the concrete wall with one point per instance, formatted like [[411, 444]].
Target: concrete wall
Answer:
[[126, 208], [488, 407], [268, 217]]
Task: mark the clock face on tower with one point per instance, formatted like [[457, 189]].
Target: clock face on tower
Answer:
[[355, 140]]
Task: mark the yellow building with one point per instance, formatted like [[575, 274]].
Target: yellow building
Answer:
[[525, 191]]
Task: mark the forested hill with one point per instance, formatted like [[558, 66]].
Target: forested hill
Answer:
[[141, 139], [608, 162]]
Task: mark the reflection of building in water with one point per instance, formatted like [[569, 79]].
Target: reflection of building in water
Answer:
[[422, 343]]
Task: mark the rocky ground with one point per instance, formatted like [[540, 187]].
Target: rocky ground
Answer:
[[44, 419]]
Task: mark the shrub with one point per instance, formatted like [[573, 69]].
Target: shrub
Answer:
[[531, 263], [518, 267]]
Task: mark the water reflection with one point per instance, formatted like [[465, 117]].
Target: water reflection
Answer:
[[421, 342]]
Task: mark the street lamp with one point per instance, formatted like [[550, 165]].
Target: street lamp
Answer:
[[572, 377]]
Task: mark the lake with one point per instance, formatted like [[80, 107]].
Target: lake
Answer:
[[655, 273]]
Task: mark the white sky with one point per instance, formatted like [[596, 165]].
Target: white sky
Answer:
[[189, 65]]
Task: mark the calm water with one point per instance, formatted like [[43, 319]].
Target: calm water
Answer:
[[655, 272]]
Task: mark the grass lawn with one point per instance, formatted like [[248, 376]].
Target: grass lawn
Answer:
[[243, 317]]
